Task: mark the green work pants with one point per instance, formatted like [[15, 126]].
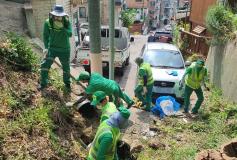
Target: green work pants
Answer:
[[145, 99], [64, 58], [117, 94], [187, 93]]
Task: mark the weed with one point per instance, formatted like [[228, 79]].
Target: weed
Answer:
[[17, 52]]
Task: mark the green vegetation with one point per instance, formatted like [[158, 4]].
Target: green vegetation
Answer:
[[33, 124], [16, 51], [214, 126], [128, 17], [221, 23]]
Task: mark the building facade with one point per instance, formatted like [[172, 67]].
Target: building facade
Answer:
[[198, 33]]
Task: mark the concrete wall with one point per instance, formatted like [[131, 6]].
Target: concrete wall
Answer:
[[221, 63], [11, 17], [41, 11]]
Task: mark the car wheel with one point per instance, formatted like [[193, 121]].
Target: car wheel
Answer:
[[120, 71], [87, 68]]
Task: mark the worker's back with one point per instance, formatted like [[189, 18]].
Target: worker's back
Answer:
[[99, 83]]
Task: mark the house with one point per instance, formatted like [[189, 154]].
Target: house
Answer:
[[37, 11], [141, 7], [197, 35]]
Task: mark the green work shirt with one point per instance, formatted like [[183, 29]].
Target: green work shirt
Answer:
[[57, 39], [195, 76], [99, 83], [105, 143], [145, 70]]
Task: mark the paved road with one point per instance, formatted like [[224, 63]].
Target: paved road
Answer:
[[129, 79]]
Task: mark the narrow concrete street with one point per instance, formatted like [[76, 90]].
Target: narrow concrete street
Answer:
[[128, 81]]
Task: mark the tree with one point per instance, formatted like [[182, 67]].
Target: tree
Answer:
[[128, 17]]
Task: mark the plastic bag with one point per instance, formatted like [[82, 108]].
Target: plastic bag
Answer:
[[165, 106]]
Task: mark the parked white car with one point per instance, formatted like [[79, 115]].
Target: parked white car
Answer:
[[168, 68]]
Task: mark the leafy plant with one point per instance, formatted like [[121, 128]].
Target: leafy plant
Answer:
[[17, 52], [220, 22], [128, 17]]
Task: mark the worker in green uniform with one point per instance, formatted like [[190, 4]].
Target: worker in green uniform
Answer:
[[194, 76], [56, 33], [105, 142], [107, 108], [96, 82], [145, 83]]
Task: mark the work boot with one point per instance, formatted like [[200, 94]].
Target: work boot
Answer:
[[146, 108], [130, 104], [187, 114]]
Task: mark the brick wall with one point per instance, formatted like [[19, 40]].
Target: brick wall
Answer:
[[105, 13], [137, 4]]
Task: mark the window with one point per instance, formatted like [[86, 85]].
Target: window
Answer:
[[152, 3], [117, 33], [82, 12], [103, 32]]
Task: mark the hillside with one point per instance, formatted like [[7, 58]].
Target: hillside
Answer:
[[38, 125]]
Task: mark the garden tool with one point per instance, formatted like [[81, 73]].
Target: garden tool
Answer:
[[59, 65]]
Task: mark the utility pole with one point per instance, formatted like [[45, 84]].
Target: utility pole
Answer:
[[111, 38], [95, 34]]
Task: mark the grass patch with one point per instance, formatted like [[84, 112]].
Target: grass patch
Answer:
[[215, 125]]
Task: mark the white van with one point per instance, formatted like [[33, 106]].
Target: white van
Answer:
[[122, 52]]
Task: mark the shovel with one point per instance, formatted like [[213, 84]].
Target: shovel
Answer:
[[59, 65]]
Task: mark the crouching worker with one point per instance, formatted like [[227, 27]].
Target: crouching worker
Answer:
[[143, 90], [102, 101], [107, 136], [96, 82]]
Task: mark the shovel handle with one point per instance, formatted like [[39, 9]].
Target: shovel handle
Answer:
[[59, 65]]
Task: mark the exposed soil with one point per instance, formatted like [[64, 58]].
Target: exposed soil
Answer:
[[71, 130]]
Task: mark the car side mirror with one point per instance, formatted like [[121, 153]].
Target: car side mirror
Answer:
[[188, 63], [132, 39]]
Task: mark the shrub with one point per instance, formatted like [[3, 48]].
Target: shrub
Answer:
[[220, 22], [127, 17], [16, 51]]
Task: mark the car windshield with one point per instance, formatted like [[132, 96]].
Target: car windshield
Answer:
[[157, 34], [163, 58]]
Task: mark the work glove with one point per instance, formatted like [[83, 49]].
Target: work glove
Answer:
[[144, 90]]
